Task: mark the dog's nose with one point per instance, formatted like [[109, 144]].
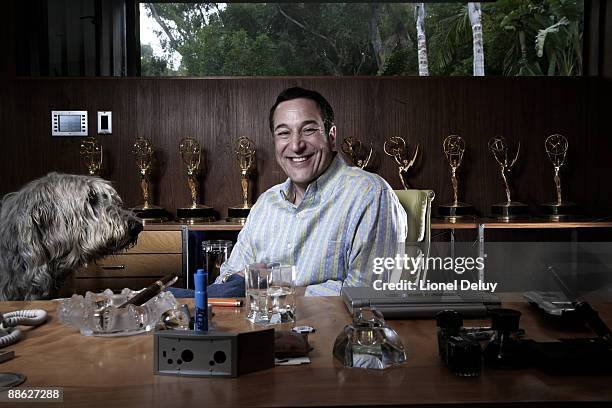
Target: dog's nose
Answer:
[[135, 226]]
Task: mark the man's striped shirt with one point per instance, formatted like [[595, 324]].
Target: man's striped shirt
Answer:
[[347, 218]]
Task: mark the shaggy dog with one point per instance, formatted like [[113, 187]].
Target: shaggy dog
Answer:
[[56, 225]]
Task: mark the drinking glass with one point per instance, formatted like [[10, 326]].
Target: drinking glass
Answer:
[[270, 292], [214, 253]]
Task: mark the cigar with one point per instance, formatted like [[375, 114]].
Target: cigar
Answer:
[[151, 291], [225, 302]]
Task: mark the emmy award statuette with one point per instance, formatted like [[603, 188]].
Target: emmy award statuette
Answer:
[[355, 150], [556, 147], [191, 154], [143, 153], [454, 147], [396, 147], [510, 209], [92, 153], [245, 153]]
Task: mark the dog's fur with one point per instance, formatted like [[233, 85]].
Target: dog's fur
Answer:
[[56, 225]]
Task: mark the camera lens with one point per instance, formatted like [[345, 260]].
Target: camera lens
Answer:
[[464, 356], [449, 324]]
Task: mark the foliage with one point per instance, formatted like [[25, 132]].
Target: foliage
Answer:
[[152, 65], [456, 38], [520, 38], [556, 23]]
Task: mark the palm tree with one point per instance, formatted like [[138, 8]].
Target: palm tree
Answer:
[[419, 12], [474, 12], [450, 38]]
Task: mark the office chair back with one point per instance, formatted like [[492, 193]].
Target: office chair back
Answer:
[[417, 204]]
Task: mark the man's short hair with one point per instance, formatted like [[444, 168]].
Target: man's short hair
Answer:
[[295, 93]]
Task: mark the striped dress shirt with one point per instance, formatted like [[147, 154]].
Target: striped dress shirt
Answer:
[[347, 218]]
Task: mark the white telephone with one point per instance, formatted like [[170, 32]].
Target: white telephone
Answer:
[[9, 333]]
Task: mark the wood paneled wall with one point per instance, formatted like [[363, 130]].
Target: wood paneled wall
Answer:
[[217, 111]]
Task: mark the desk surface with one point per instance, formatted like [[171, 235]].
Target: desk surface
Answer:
[[109, 372]]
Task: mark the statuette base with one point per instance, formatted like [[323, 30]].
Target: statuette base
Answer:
[[509, 210], [151, 214], [238, 213], [454, 212], [190, 215], [559, 212]]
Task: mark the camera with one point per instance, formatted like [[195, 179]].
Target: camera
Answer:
[[456, 346], [459, 346]]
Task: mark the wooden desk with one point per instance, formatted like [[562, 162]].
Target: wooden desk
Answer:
[[117, 372]]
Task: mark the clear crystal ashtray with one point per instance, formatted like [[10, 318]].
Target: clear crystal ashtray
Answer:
[[99, 314]]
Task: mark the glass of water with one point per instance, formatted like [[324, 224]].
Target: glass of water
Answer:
[[214, 253], [270, 291]]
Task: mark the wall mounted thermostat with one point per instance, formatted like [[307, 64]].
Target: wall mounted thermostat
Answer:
[[105, 123], [69, 123]]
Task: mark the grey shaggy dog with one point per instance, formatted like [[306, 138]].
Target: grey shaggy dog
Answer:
[[54, 226]]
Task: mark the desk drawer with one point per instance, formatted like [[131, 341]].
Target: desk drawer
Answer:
[[157, 253], [134, 265], [134, 271], [157, 242]]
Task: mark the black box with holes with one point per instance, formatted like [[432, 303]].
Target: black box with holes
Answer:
[[212, 354]]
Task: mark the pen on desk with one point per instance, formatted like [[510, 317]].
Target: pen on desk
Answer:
[[150, 291], [225, 302]]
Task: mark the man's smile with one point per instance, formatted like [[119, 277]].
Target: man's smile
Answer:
[[300, 159]]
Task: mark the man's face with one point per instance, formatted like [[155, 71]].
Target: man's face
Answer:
[[303, 150]]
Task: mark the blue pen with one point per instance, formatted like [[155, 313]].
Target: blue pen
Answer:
[[201, 300]]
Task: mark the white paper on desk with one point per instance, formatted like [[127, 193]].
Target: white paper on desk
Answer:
[[292, 361]]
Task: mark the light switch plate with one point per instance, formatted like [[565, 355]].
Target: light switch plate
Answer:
[[105, 122]]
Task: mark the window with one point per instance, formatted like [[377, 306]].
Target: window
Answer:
[[514, 37]]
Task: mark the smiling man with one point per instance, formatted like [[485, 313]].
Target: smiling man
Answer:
[[328, 219]]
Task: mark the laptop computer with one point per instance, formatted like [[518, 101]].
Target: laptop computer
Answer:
[[418, 304]]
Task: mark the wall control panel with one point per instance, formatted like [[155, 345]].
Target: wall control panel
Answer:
[[69, 123]]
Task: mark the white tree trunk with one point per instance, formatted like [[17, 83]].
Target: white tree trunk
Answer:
[[419, 11], [375, 37], [475, 20]]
